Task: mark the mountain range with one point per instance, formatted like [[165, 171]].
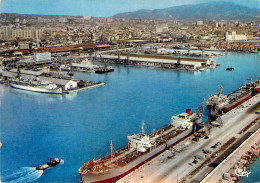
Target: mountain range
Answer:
[[205, 11]]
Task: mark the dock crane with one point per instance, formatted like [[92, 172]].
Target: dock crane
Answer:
[[214, 118], [198, 117]]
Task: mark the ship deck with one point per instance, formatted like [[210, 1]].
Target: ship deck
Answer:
[[238, 94], [124, 156], [178, 165]]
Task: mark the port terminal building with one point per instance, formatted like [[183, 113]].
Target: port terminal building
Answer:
[[156, 61]]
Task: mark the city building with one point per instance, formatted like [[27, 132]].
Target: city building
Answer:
[[235, 37], [10, 33]]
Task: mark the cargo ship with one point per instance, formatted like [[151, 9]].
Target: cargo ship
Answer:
[[35, 86], [255, 85], [141, 148], [221, 103]]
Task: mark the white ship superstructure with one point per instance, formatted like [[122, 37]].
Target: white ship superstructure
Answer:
[[141, 148], [86, 65]]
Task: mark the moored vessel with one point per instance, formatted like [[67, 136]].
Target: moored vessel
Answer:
[[104, 70], [86, 66], [141, 148], [223, 103], [65, 67], [35, 86]]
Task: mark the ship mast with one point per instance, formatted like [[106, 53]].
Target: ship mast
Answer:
[[111, 146], [220, 91], [250, 80], [142, 127], [201, 108]]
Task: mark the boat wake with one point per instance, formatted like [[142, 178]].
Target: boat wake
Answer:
[[61, 162], [24, 174]]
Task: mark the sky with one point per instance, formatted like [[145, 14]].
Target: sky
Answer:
[[98, 8]]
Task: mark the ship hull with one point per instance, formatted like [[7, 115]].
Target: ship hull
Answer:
[[101, 71], [232, 104], [236, 103], [35, 89], [116, 174]]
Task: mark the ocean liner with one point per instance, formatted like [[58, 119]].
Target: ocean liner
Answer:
[[141, 148], [223, 103], [35, 85]]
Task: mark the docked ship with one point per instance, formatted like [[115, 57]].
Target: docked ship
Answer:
[[104, 70], [35, 86], [255, 85], [65, 67], [141, 148], [86, 66], [221, 103]]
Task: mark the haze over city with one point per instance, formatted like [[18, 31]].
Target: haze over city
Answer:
[[98, 8]]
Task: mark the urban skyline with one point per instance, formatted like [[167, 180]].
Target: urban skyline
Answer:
[[98, 8], [165, 95]]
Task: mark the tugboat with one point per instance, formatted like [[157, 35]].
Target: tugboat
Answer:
[[229, 69], [50, 164]]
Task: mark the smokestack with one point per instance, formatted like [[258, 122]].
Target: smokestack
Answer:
[[188, 111]]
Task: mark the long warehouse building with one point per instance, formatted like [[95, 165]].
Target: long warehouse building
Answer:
[[157, 61]]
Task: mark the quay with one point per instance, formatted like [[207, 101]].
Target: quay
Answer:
[[156, 61], [192, 161], [232, 162]]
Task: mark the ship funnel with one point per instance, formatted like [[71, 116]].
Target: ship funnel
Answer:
[[188, 111]]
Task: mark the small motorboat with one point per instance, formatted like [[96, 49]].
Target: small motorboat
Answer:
[[229, 69], [50, 164], [70, 74], [2, 80]]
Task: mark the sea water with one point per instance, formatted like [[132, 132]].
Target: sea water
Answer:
[[77, 127], [254, 175]]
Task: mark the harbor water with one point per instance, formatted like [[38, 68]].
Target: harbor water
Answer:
[[79, 126], [254, 176]]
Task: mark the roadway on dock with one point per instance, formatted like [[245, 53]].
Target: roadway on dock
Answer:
[[166, 168]]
